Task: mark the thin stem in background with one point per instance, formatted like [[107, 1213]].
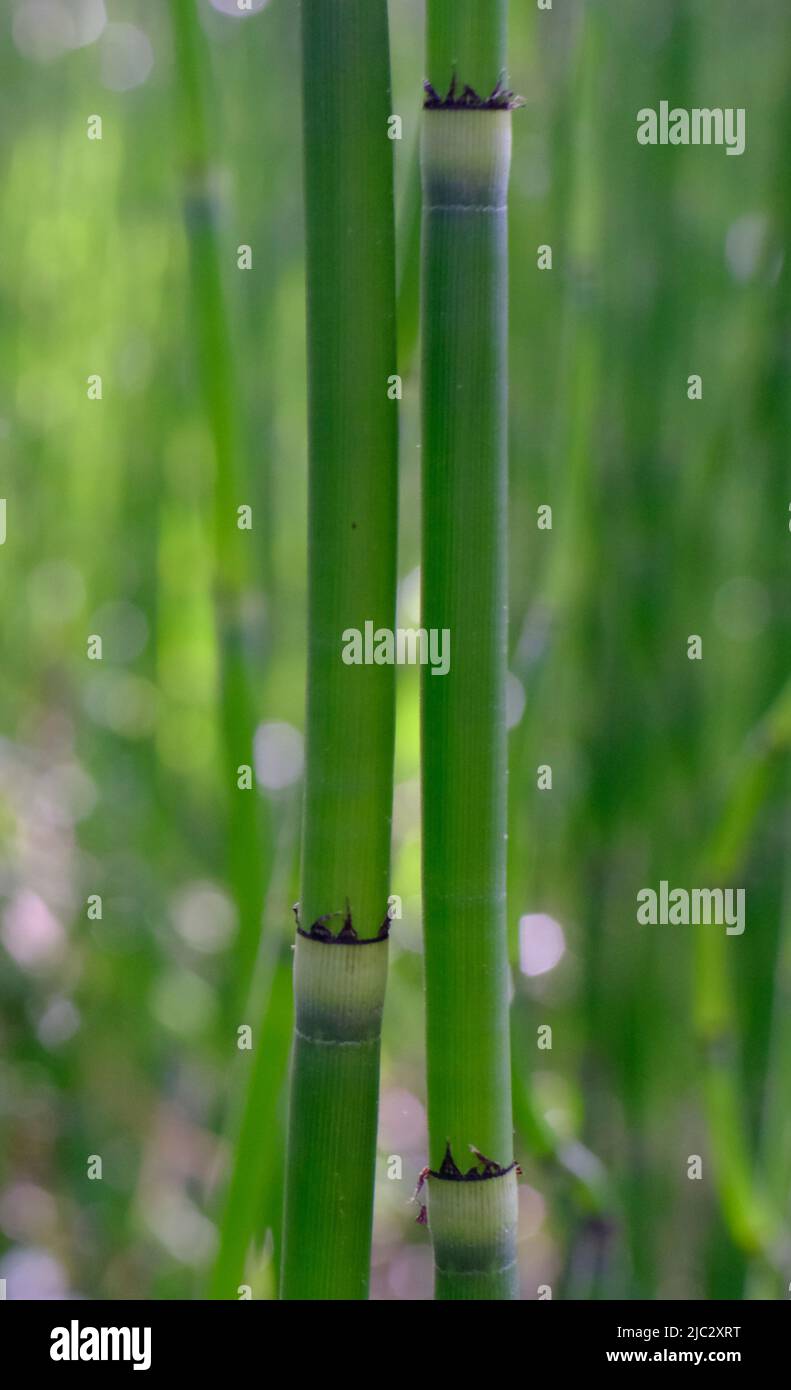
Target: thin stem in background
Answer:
[[215, 354]]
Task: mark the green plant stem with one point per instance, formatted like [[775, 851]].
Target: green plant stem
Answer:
[[252, 1202], [465, 160], [215, 362], [466, 38], [474, 1226], [752, 1215], [351, 708], [339, 992], [254, 1153]]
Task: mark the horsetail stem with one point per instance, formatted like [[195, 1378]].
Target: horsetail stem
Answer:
[[466, 144], [341, 949]]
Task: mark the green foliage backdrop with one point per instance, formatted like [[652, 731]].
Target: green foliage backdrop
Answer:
[[670, 517]]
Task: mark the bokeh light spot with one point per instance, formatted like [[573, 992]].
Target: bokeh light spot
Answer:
[[541, 943], [278, 755], [126, 57]]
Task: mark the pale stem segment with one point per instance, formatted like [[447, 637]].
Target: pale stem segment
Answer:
[[339, 995], [474, 1231]]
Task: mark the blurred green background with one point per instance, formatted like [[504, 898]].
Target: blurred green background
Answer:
[[670, 517]]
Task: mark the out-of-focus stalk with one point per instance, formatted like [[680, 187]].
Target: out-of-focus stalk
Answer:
[[215, 357]]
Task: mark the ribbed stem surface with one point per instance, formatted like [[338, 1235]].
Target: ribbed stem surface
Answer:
[[465, 159], [466, 38], [339, 991], [473, 1227], [464, 589], [353, 455], [351, 581]]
